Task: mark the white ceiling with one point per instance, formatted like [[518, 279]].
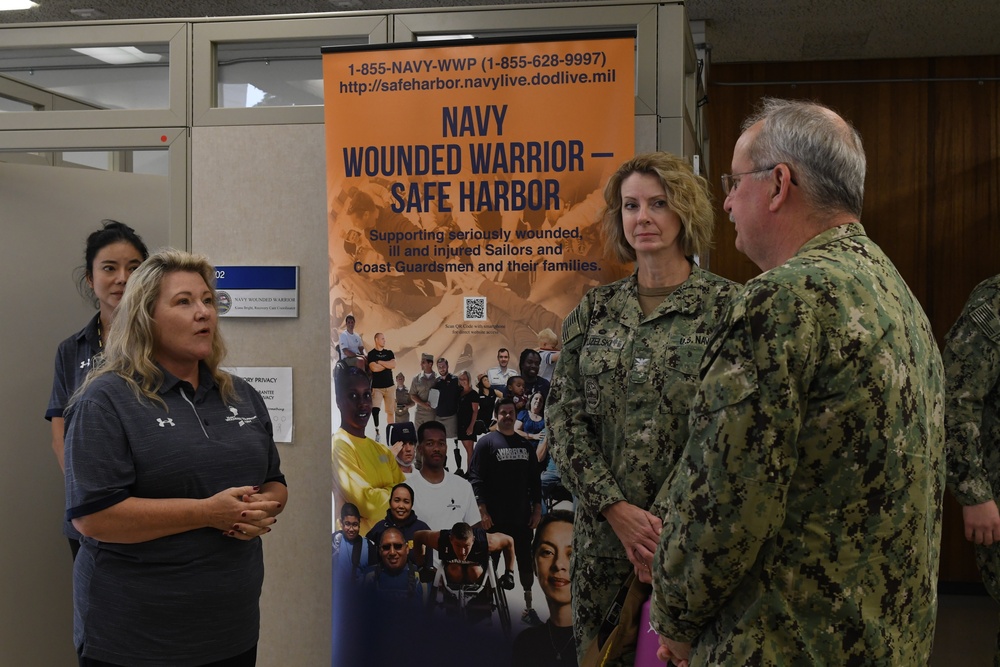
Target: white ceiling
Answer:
[[736, 30]]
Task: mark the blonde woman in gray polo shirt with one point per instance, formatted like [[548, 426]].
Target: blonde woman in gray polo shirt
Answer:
[[172, 477]]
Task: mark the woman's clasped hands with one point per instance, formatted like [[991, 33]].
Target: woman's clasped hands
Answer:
[[242, 512]]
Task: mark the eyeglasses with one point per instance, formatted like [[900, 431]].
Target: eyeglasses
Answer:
[[731, 181], [393, 546]]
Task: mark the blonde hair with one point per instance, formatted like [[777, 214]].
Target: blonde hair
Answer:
[[547, 337], [687, 196], [128, 352]]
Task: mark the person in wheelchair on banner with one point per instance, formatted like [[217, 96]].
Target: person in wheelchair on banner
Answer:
[[464, 554], [465, 574]]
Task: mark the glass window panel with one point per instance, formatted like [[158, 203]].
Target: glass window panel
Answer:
[[153, 161], [93, 159], [106, 77], [272, 73], [8, 104]]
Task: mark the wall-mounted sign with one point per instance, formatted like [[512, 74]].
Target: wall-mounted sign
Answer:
[[258, 291], [274, 384]]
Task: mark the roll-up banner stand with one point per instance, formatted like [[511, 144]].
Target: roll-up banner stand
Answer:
[[465, 188]]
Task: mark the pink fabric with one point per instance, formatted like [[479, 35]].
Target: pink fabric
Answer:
[[645, 648]]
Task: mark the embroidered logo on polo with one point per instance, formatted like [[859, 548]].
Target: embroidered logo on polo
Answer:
[[235, 417], [165, 422], [94, 361]]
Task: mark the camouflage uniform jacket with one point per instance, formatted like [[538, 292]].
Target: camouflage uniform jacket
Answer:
[[972, 417], [804, 518], [618, 406]]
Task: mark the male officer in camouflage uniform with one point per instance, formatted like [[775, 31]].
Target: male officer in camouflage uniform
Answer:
[[803, 521], [972, 423]]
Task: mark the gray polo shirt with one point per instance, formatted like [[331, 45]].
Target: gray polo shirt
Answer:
[[185, 599], [74, 359]]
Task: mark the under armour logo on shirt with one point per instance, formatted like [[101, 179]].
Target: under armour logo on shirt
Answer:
[[164, 422]]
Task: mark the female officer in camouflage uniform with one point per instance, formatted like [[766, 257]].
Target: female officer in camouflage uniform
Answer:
[[629, 367]]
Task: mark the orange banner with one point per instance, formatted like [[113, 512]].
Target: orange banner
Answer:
[[465, 188], [475, 173]]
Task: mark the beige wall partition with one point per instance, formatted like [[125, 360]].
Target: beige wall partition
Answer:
[[259, 198], [46, 213], [244, 186]]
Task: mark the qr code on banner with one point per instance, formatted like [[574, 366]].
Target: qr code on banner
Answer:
[[475, 308]]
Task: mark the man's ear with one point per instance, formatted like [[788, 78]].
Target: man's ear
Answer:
[[781, 184]]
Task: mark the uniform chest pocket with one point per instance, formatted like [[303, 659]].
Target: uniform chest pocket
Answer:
[[597, 367], [680, 377], [597, 361]]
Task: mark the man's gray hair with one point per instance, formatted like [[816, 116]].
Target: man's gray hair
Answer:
[[823, 151]]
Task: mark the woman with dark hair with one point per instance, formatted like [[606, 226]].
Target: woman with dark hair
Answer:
[[551, 644], [488, 397], [530, 423], [400, 515], [172, 477], [364, 471], [111, 254]]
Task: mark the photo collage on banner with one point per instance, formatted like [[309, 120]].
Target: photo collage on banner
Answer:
[[465, 186]]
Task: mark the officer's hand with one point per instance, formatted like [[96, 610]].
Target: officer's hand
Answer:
[[982, 523]]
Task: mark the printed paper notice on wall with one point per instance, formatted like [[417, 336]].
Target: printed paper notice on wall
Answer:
[[258, 291], [275, 386]]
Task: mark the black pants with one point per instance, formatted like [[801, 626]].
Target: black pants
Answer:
[[522, 551], [248, 659]]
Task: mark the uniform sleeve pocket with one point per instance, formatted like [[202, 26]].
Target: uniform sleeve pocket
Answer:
[[681, 380]]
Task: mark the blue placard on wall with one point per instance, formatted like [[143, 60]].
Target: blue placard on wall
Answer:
[[258, 291]]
